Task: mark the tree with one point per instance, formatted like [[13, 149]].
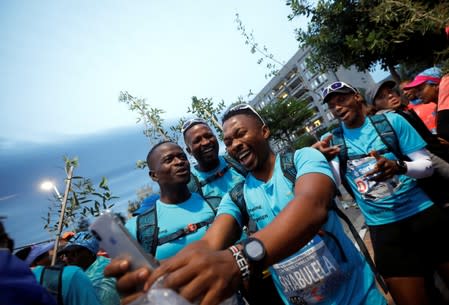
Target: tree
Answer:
[[364, 33], [84, 199], [286, 119]]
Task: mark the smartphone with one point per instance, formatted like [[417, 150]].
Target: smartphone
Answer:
[[115, 239]]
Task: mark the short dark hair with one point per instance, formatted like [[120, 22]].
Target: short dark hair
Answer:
[[154, 148], [242, 109]]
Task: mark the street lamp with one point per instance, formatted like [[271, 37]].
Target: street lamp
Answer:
[[48, 185]]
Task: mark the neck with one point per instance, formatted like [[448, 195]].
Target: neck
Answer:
[[174, 194], [356, 123], [266, 168], [206, 166]]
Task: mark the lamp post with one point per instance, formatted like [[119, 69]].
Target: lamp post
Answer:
[[50, 185]]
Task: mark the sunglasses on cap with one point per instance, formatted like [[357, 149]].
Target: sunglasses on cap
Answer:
[[336, 86], [245, 107], [190, 122]]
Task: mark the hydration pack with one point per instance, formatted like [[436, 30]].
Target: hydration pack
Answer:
[[51, 279]]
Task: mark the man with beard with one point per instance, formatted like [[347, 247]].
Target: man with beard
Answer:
[[213, 175], [329, 270]]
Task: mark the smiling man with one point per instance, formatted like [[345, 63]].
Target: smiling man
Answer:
[[213, 175], [407, 230], [329, 270]]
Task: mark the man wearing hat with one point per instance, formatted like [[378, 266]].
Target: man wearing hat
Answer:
[[407, 230], [81, 250]]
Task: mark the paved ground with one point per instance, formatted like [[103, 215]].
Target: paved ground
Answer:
[[358, 221]]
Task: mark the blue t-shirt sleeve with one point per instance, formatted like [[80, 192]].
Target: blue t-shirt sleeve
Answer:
[[409, 139], [227, 206], [310, 160], [81, 290], [131, 225]]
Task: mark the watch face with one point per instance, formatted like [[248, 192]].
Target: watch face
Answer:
[[254, 250]]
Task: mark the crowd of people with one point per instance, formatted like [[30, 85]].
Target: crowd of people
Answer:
[[259, 227]]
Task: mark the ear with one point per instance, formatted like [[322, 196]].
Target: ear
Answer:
[[153, 176], [266, 132]]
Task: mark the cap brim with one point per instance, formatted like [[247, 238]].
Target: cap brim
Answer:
[[414, 83], [343, 90]]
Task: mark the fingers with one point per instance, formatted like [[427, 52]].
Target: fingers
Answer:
[[116, 268], [375, 154], [130, 298]]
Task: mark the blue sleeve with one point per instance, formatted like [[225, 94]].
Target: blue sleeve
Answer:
[[227, 206], [131, 225], [409, 139], [310, 160], [80, 289]]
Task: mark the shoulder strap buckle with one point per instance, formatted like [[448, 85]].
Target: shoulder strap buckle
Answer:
[[191, 228]]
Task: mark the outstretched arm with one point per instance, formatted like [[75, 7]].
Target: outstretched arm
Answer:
[[212, 276]]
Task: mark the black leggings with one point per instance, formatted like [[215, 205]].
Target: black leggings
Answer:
[[443, 124]]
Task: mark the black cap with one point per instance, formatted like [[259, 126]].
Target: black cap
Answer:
[[371, 93]]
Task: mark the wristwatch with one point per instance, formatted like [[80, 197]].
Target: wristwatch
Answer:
[[254, 251], [402, 166]]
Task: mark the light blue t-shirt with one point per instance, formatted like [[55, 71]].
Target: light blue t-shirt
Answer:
[[77, 289], [104, 286], [349, 278], [387, 201], [220, 186], [172, 217]]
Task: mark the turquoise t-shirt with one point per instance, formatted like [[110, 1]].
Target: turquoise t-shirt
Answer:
[[104, 286], [323, 274], [391, 200], [77, 289], [220, 186], [172, 217]]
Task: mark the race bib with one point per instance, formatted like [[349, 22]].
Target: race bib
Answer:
[[309, 276], [369, 189]]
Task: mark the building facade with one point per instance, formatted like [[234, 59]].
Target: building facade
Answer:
[[296, 80]]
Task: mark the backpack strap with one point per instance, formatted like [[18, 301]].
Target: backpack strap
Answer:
[[147, 230], [387, 135], [51, 279], [338, 139], [235, 165], [288, 166], [189, 229], [361, 245], [236, 194]]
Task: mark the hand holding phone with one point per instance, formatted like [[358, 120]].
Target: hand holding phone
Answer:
[[115, 239]]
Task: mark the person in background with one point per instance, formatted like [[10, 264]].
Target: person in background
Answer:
[[431, 86], [81, 250], [425, 85], [68, 284], [18, 286], [408, 231]]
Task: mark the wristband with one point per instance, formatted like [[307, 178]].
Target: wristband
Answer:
[[241, 261]]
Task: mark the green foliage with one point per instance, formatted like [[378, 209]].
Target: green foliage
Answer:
[[83, 200], [286, 119], [364, 33], [150, 117], [204, 108], [271, 63]]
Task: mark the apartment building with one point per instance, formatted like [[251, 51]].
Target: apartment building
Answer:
[[295, 80]]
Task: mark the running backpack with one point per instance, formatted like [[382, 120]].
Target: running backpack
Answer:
[[196, 185], [51, 279], [146, 224], [289, 170], [390, 139]]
